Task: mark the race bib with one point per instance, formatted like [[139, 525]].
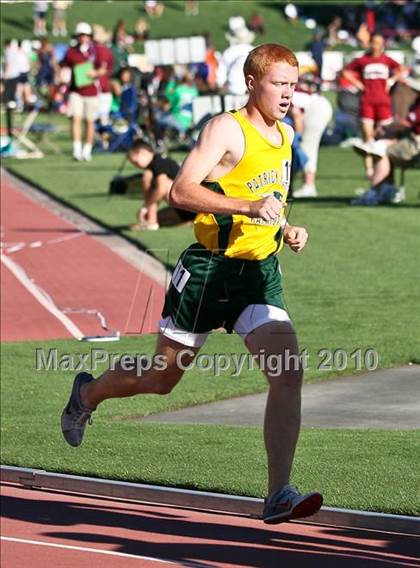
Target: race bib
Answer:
[[180, 277]]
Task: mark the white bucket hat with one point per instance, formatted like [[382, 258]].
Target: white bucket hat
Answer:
[[240, 35], [82, 28]]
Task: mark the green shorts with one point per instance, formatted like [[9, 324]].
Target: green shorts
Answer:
[[209, 291]]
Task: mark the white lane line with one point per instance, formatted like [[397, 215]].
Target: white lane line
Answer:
[[42, 298], [10, 248], [86, 549]]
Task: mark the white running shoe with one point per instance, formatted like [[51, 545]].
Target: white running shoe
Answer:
[[360, 147], [360, 191], [305, 191], [77, 156], [288, 503], [377, 148], [400, 196], [86, 154], [372, 148]]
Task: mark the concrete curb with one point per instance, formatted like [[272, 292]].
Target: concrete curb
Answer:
[[232, 504]]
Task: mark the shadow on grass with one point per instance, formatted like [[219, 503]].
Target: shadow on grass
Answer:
[[336, 200], [89, 167], [174, 5], [358, 177], [92, 195], [339, 201], [109, 196], [21, 23]]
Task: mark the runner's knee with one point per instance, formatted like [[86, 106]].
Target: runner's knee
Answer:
[[164, 381], [291, 379]]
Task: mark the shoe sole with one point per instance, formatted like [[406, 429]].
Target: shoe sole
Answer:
[[305, 508], [312, 196], [360, 151]]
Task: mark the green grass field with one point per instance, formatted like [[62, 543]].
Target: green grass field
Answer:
[[16, 20], [372, 470], [354, 286]]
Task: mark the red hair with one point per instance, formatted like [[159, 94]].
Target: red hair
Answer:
[[263, 56]]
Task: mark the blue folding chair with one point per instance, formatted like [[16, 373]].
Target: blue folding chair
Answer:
[[129, 109]]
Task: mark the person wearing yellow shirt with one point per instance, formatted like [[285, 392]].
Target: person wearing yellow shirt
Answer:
[[236, 179]]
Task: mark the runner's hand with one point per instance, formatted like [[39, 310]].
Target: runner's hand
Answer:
[[295, 237], [267, 208]]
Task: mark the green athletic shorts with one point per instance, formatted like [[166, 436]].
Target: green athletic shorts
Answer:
[[209, 291]]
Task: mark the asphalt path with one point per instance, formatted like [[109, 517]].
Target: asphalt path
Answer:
[[382, 399]]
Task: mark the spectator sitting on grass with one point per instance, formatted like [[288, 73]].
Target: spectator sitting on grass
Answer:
[[405, 92], [45, 65], [167, 84], [180, 115], [158, 176], [390, 153], [123, 82]]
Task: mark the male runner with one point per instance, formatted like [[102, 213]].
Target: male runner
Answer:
[[236, 178]]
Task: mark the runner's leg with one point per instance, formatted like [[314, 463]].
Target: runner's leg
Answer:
[[118, 383], [282, 415]]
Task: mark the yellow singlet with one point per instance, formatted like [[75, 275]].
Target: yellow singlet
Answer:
[[264, 169]]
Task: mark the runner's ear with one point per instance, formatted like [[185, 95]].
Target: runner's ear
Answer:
[[250, 82]]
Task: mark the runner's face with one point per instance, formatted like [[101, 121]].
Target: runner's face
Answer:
[[273, 92]]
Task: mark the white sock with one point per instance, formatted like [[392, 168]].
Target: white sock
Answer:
[[310, 186], [87, 150], [77, 148]]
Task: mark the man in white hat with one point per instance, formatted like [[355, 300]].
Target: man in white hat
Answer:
[[240, 39], [84, 59]]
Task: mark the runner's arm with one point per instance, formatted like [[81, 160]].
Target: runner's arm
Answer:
[[187, 191]]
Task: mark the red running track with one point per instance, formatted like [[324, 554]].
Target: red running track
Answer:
[[92, 531], [75, 270]]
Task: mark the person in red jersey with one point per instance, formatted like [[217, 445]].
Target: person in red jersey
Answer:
[[83, 100], [375, 69]]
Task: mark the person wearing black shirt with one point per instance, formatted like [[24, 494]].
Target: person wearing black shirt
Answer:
[[158, 176]]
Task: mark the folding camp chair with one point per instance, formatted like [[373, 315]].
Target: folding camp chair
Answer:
[[21, 138], [129, 109]]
